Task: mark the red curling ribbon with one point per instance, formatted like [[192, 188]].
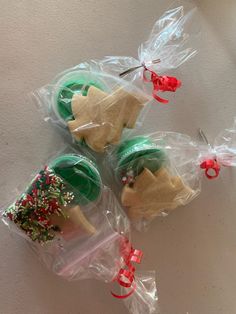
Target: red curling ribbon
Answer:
[[125, 277], [161, 83], [125, 296], [211, 164]]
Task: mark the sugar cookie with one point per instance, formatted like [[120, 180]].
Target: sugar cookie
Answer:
[[99, 118], [152, 193]]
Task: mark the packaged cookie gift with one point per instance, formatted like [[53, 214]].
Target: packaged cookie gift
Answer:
[[97, 101], [151, 175], [94, 107], [162, 171], [77, 228]]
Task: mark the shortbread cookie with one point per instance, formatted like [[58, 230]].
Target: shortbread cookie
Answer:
[[73, 218], [99, 118], [152, 193]]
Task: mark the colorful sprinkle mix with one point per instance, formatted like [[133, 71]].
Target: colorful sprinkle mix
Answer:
[[44, 198], [128, 177]]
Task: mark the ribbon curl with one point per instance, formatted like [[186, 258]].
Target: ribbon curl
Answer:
[[125, 277], [211, 164], [161, 83]]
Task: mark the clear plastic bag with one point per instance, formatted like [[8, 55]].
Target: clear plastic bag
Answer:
[[145, 299], [165, 49], [158, 172], [95, 104], [225, 146], [221, 154], [76, 227]]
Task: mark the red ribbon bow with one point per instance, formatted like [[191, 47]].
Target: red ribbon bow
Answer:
[[125, 277], [211, 164], [161, 83]]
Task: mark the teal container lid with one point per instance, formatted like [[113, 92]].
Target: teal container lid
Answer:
[[80, 174], [65, 95], [138, 153]]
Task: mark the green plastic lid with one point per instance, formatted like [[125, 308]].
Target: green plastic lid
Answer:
[[66, 93], [81, 174], [138, 153]]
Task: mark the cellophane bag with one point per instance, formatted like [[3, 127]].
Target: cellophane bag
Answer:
[[156, 173], [225, 146], [222, 153], [78, 230], [167, 47], [159, 172], [95, 105]]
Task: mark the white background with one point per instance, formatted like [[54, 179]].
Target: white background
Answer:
[[194, 249]]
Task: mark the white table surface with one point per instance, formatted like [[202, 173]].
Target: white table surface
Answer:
[[193, 250]]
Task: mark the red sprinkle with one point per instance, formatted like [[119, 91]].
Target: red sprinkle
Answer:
[[10, 216]]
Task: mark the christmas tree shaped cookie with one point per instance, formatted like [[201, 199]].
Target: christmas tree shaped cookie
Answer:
[[72, 219], [99, 118], [152, 193]]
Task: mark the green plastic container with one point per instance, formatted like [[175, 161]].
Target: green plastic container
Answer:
[[138, 153], [80, 175], [66, 93], [69, 83]]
